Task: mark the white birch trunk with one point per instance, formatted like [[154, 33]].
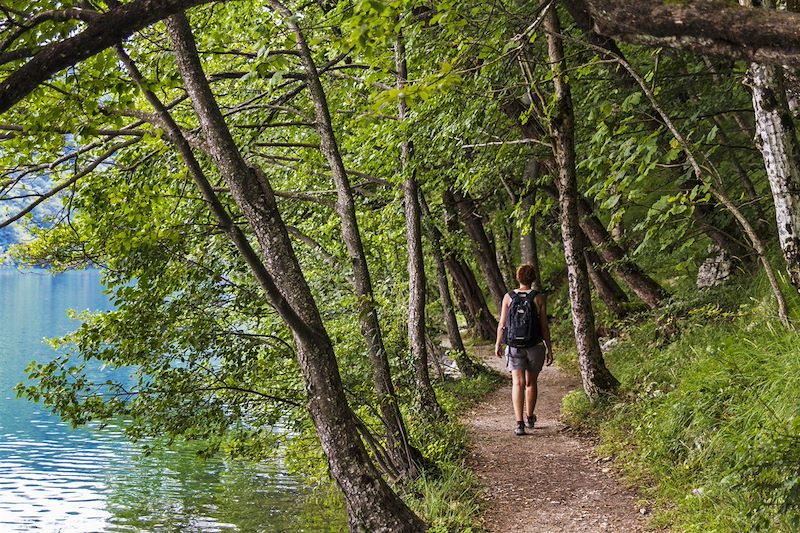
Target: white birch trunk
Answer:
[[778, 144], [777, 141]]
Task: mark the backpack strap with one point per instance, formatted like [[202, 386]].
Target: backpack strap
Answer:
[[530, 295]]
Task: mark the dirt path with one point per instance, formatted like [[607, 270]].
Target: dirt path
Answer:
[[547, 481]]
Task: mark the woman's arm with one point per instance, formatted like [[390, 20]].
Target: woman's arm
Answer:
[[501, 324], [544, 324]]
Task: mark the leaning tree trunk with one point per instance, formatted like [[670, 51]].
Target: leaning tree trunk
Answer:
[[404, 455], [779, 147], [426, 396], [612, 253], [470, 298], [371, 503], [640, 283], [597, 380], [607, 288], [485, 253], [464, 363], [715, 187]]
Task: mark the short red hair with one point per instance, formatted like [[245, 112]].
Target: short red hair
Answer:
[[526, 275]]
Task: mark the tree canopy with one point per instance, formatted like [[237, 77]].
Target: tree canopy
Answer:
[[265, 185]]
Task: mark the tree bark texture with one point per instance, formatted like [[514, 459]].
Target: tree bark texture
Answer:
[[645, 287], [459, 354], [485, 254], [226, 223], [596, 378], [778, 144], [607, 288], [718, 193], [469, 294], [707, 27], [504, 251], [470, 298], [371, 503], [464, 363], [427, 404], [406, 458], [104, 31], [610, 251]]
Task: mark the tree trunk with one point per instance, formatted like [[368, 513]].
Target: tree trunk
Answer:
[[468, 293], [470, 298], [426, 396], [612, 253], [504, 252], [607, 288], [718, 193], [715, 28], [459, 354], [645, 287], [778, 145], [465, 364], [484, 251], [597, 380], [406, 458], [640, 283], [527, 242], [371, 503], [103, 32]]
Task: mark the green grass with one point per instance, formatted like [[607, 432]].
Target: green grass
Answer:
[[707, 419], [448, 500]]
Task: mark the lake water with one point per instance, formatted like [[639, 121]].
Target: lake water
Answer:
[[54, 478]]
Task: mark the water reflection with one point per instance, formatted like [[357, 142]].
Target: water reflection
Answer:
[[53, 478]]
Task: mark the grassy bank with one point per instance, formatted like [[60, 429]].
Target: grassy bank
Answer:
[[449, 499], [707, 416]]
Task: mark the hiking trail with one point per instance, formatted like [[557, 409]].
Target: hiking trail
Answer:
[[546, 481]]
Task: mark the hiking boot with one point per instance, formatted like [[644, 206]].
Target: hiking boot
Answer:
[[520, 429], [530, 421]]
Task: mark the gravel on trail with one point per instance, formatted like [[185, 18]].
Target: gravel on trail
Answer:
[[548, 480]]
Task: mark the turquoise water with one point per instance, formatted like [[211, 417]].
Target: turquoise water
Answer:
[[54, 478]]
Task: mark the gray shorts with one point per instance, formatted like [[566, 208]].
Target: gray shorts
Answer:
[[531, 359]]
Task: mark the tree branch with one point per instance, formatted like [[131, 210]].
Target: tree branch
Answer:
[[55, 190], [709, 27], [103, 32], [56, 15]]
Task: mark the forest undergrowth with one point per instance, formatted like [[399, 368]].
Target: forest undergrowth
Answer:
[[447, 494], [706, 422], [449, 498]]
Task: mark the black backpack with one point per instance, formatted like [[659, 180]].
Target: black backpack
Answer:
[[522, 324]]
